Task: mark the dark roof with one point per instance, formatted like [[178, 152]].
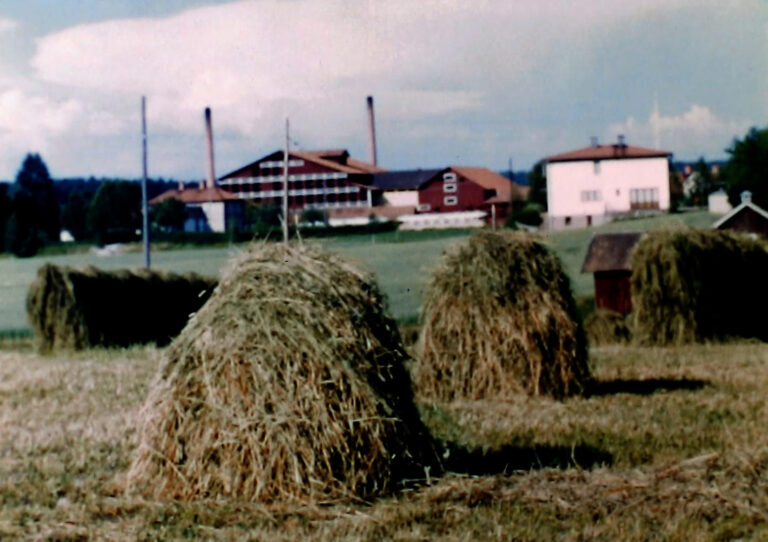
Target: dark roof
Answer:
[[333, 159], [607, 152], [610, 252], [410, 179]]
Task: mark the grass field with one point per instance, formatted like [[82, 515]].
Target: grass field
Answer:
[[670, 445], [398, 259]]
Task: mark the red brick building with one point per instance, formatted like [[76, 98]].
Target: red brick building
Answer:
[[320, 179]]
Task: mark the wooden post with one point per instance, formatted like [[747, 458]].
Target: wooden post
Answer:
[[144, 205], [493, 215], [285, 184]]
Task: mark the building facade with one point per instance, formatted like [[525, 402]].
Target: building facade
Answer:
[[591, 186], [316, 179]]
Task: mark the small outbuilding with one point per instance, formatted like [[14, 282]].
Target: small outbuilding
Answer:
[[609, 257], [746, 217]]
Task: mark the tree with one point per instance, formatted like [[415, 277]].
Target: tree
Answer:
[[74, 215], [35, 182], [5, 212], [115, 212], [747, 166], [169, 214], [538, 183], [22, 237]]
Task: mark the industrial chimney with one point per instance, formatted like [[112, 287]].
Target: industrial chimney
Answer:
[[210, 178], [372, 130]]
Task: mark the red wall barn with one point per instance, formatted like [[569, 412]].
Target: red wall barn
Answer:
[[459, 188], [321, 179], [609, 257]]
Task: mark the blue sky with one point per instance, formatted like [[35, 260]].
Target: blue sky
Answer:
[[455, 82]]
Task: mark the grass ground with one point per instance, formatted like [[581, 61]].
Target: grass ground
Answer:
[[399, 260], [670, 445]]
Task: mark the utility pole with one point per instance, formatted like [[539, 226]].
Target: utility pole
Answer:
[[144, 206], [285, 183]]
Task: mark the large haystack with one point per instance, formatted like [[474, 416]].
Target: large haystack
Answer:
[[289, 385], [605, 327], [499, 320], [74, 309], [699, 285]]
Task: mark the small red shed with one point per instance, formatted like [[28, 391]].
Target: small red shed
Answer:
[[609, 257]]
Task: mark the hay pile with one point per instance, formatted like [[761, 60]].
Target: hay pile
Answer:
[[289, 385], [604, 327], [74, 309], [699, 285], [499, 319]]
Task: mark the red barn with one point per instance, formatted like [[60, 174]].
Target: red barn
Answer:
[[609, 257], [469, 189], [319, 179]]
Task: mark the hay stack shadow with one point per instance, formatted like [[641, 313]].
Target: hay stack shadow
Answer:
[[499, 320], [648, 386], [75, 309], [507, 459], [288, 385]]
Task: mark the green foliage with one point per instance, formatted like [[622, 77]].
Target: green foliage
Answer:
[[74, 216], [169, 214], [115, 212], [746, 167], [313, 215], [5, 212], [538, 183], [529, 215], [22, 237], [34, 181]]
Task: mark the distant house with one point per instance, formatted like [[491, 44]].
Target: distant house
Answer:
[[317, 179], [609, 257], [717, 202], [592, 185], [746, 217], [454, 189], [209, 208]]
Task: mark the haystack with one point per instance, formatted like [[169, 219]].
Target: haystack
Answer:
[[74, 309], [499, 320], [604, 327], [289, 385], [699, 285]]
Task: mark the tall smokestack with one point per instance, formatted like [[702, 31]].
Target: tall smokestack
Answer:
[[210, 177], [372, 130]]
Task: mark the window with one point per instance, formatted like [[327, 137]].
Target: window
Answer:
[[449, 177], [644, 198], [450, 187], [590, 195], [596, 167], [450, 200], [424, 207], [567, 220]]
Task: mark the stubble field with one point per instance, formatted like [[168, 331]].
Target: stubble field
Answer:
[[670, 445]]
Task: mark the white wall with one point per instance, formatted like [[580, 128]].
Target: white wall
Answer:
[[612, 179], [398, 198], [214, 211]]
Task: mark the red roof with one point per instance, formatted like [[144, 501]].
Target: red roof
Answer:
[[506, 190], [607, 152], [196, 195]]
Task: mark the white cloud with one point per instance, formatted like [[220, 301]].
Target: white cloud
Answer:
[[686, 133], [6, 25]]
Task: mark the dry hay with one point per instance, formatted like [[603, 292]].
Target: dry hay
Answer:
[[289, 385], [75, 309], [499, 319], [699, 285], [604, 327]]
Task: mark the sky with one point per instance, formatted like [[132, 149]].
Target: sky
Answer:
[[455, 82]]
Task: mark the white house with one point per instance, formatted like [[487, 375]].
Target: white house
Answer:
[[591, 186], [209, 208]]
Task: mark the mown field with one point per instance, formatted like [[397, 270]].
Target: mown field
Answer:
[[399, 260], [670, 445]]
